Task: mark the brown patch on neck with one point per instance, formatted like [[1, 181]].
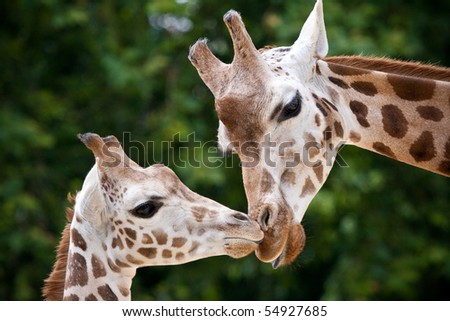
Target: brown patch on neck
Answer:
[[383, 149], [106, 293], [308, 187], [391, 66], [53, 289], [423, 148]]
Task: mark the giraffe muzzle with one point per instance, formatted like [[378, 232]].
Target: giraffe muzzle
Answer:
[[245, 239]]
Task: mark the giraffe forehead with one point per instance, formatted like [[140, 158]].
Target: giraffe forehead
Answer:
[[242, 116]]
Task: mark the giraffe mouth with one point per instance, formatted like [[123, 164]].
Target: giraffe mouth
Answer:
[[238, 247], [294, 246], [241, 239]]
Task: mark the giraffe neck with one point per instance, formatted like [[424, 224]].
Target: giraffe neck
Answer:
[[92, 272], [404, 117]]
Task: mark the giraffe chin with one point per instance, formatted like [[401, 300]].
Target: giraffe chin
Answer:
[[282, 251], [237, 247], [294, 246]]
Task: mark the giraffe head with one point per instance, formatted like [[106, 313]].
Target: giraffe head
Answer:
[[273, 114], [147, 216]]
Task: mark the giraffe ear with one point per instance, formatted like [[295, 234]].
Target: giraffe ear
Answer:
[[107, 150], [312, 41]]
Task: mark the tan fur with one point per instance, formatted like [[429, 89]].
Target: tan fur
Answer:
[[53, 289], [412, 69]]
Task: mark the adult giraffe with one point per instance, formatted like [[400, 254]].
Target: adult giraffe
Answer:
[[287, 110]]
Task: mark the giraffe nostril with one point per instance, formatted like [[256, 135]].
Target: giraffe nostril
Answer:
[[264, 219], [241, 217]]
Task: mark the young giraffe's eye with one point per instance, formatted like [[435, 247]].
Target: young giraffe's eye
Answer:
[[292, 108], [147, 209]]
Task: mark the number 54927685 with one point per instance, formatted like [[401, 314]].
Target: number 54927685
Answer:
[[295, 311]]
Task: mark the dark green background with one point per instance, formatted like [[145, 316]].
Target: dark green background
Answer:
[[377, 230]]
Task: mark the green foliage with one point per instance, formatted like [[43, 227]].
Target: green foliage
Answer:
[[377, 230]]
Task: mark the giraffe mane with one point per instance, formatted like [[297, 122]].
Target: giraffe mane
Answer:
[[404, 68], [53, 289]]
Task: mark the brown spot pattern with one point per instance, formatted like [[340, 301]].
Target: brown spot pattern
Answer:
[[148, 252], [160, 236], [91, 297], [447, 149], [364, 87], [117, 242], [317, 119], [124, 291], [78, 240], [360, 111], [133, 260], [288, 177], [267, 182], [412, 89], [338, 128], [423, 148], [112, 266], [430, 113], [339, 82], [383, 149], [98, 268], [329, 104], [178, 241], [71, 297], [121, 264], [444, 167], [77, 270], [313, 149], [106, 293], [199, 213], [394, 122], [322, 110], [308, 187], [167, 254], [129, 242], [327, 134], [318, 170], [355, 137], [130, 233], [147, 239], [179, 256]]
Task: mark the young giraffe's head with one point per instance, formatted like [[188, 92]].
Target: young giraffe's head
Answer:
[[286, 111], [126, 217]]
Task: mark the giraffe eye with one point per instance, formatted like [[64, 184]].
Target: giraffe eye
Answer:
[[292, 108], [147, 209]]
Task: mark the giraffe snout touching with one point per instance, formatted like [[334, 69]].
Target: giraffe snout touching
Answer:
[[242, 236]]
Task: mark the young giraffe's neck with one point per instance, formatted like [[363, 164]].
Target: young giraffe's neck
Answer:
[[92, 272], [401, 111]]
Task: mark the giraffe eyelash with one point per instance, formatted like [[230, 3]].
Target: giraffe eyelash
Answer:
[[147, 209], [291, 109]]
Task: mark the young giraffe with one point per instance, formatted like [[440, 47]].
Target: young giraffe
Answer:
[[286, 111], [126, 217]]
